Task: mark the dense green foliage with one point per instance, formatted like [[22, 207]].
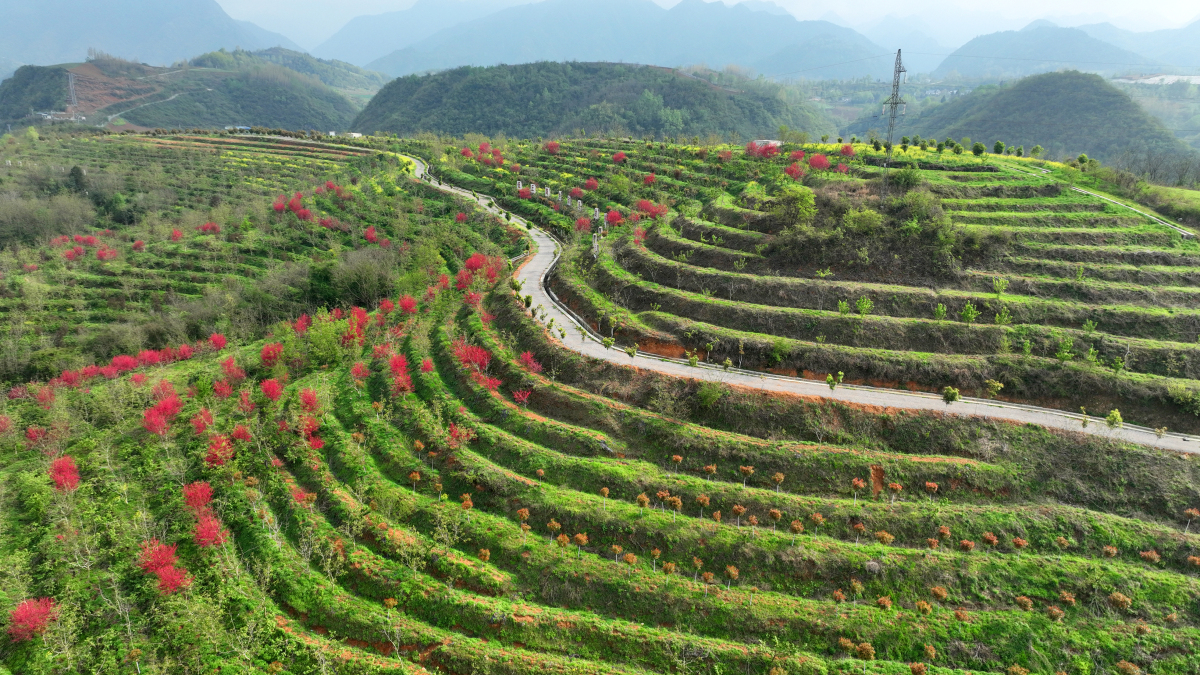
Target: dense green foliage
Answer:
[[32, 89], [547, 99], [1067, 113]]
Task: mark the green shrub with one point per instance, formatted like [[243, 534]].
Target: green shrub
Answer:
[[906, 178]]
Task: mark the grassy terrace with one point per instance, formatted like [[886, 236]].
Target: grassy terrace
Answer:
[[199, 240], [1095, 307], [441, 487]]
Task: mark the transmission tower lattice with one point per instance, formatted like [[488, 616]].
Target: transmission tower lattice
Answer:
[[893, 107]]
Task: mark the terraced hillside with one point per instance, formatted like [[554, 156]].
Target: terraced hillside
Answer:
[[968, 274], [180, 236], [430, 482]]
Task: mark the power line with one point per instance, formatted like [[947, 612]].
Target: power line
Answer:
[[830, 65], [980, 56]]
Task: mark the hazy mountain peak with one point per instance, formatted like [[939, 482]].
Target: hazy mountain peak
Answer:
[[1040, 23], [153, 31]]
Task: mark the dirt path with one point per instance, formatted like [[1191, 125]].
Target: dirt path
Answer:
[[536, 267], [165, 100]]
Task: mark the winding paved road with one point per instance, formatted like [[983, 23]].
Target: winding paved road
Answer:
[[580, 338]]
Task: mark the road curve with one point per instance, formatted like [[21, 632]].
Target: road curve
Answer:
[[580, 338]]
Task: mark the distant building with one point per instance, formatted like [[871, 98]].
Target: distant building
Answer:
[[1159, 79]]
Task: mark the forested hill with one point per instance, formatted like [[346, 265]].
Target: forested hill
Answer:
[[545, 98], [1065, 112], [348, 79], [273, 88]]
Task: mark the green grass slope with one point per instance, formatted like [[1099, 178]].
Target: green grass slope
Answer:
[[350, 80], [1067, 113], [818, 275], [546, 98], [265, 96]]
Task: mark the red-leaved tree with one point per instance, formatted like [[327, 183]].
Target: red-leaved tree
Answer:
[[408, 304], [156, 555], [202, 420], [31, 618], [65, 474], [271, 389], [270, 354], [172, 579], [308, 400], [209, 531], [220, 450], [197, 496]]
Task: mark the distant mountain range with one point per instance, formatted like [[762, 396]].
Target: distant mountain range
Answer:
[[158, 32], [1177, 46], [367, 38], [640, 31], [541, 99], [1037, 49], [434, 35], [1065, 112]]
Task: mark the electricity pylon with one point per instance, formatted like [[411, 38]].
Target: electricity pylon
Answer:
[[893, 107]]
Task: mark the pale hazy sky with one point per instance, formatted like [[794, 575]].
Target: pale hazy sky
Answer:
[[309, 22]]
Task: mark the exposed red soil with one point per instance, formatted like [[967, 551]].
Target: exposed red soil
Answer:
[[668, 349], [95, 90], [877, 480]]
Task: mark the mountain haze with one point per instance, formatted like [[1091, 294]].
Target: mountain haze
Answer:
[[1175, 46], [158, 32], [691, 32], [1037, 49], [367, 38], [8, 67]]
